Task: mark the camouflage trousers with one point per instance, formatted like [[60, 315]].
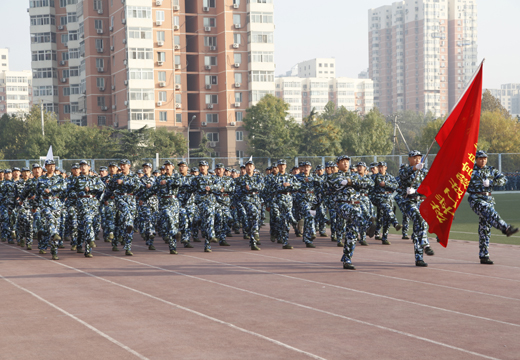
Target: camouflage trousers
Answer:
[[488, 217], [273, 213], [366, 210], [223, 220], [406, 221], [108, 215], [126, 213], [387, 216], [24, 226], [145, 221], [321, 218], [50, 224], [87, 211], [168, 223], [7, 221], [207, 221], [70, 224], [356, 221], [284, 215], [253, 220], [309, 225], [419, 235]]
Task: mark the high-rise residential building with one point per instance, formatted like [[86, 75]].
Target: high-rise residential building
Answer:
[[305, 94], [422, 54], [192, 66], [509, 97], [15, 88], [324, 68]]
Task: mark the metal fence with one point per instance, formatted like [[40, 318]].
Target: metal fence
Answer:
[[507, 163]]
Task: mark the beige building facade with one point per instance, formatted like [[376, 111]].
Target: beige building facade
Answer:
[[422, 54], [191, 66], [15, 88]]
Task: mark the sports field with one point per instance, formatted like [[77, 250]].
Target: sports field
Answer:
[[235, 303]]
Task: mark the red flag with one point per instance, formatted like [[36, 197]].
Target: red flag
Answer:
[[447, 181]]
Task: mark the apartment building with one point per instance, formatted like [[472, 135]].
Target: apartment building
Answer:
[[422, 54], [305, 94], [323, 68], [15, 88], [509, 97], [192, 66]]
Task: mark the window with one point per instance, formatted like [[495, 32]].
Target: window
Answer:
[[100, 82], [211, 99], [142, 114], [163, 116], [262, 76], [212, 137], [237, 58], [139, 12], [40, 38], [210, 41], [142, 94], [262, 17], [178, 118], [208, 3], [240, 153], [236, 19], [210, 60], [141, 74], [161, 56], [100, 63], [159, 15], [98, 24], [101, 120], [210, 22], [101, 101], [162, 96], [140, 54], [238, 78], [261, 37], [140, 33], [236, 2], [239, 136], [210, 79], [178, 98], [177, 60], [178, 79], [162, 76], [263, 56], [66, 91], [238, 116], [212, 118], [99, 44], [160, 36], [238, 97], [66, 109], [237, 38], [176, 40]]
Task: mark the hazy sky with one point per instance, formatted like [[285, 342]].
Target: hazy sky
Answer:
[[307, 29]]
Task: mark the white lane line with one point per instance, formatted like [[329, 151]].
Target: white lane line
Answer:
[[305, 306], [97, 331], [235, 327]]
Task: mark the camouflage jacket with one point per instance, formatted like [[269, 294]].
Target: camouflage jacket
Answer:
[[167, 192], [309, 188], [343, 193], [476, 183], [410, 178], [256, 185], [228, 185], [56, 186]]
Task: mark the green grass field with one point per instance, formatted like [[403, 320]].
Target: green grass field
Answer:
[[465, 225]]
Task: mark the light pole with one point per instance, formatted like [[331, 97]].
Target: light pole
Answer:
[[189, 126], [41, 112]]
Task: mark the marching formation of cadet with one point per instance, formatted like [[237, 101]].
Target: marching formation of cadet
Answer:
[[176, 205]]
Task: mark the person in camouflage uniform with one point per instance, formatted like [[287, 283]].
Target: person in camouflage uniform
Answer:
[[122, 187], [399, 201], [70, 212], [49, 190], [308, 203], [146, 208], [24, 218], [85, 188], [347, 201], [272, 206], [384, 186], [30, 206], [188, 210], [483, 179], [249, 186], [410, 179], [8, 207], [321, 211], [166, 188], [327, 198], [108, 205], [375, 170], [364, 187], [205, 186], [223, 214], [235, 203]]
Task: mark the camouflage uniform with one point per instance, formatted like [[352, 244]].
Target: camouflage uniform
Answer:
[[410, 178], [108, 212], [306, 198], [168, 220], [364, 187], [223, 217], [7, 209], [87, 207], [146, 213], [50, 210], [125, 204], [382, 197], [283, 200], [188, 209], [250, 199], [26, 220], [483, 204]]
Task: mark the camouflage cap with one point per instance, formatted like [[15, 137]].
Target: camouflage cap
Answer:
[[7, 171], [148, 164], [194, 169], [330, 164], [220, 166], [140, 171], [182, 162], [281, 162], [1, 171], [414, 153], [305, 163], [382, 163], [112, 164], [16, 169], [103, 168], [124, 162], [342, 157], [243, 166], [83, 162], [250, 162], [227, 169], [75, 166], [374, 164], [156, 171], [361, 163], [25, 169], [211, 172], [50, 162], [168, 162], [234, 171], [319, 167], [203, 163], [481, 154]]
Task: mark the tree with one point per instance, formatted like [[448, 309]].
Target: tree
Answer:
[[498, 133], [168, 143], [271, 133], [428, 135], [318, 136], [133, 144], [491, 103]]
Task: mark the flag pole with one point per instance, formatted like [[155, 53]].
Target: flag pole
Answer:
[[457, 103]]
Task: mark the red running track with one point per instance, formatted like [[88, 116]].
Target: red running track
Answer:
[[273, 304]]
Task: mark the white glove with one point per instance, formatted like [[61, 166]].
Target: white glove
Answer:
[[344, 182], [312, 212], [410, 191], [419, 166], [486, 183]]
